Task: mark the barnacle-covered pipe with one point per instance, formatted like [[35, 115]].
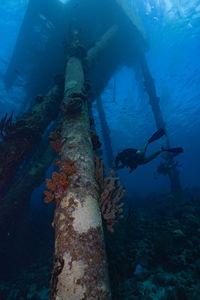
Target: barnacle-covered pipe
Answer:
[[21, 138], [80, 270]]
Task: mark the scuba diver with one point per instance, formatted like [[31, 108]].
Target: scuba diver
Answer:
[[132, 158]]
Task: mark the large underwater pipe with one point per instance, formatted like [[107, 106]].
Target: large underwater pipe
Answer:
[[80, 270], [24, 134]]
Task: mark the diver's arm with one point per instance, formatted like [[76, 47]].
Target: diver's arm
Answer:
[[117, 161]]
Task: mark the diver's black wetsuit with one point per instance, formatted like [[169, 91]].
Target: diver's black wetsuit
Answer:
[[132, 158], [129, 158]]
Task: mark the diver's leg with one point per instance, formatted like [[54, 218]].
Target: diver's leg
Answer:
[[157, 135], [143, 150], [152, 156]]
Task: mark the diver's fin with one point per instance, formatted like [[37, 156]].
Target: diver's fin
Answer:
[[174, 151], [157, 135]]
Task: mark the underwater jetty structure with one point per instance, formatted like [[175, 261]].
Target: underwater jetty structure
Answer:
[[84, 196]]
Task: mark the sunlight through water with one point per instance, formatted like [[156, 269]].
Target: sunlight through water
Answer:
[[64, 1]]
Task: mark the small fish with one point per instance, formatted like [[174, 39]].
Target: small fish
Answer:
[[179, 166], [50, 25], [125, 112], [4, 61], [138, 270], [17, 72], [76, 5], [42, 17]]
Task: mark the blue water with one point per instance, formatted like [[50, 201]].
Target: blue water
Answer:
[[173, 31], [11, 16]]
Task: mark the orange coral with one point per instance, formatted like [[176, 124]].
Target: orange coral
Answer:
[[49, 197], [55, 140], [67, 166], [56, 145], [58, 184], [71, 145], [60, 181], [57, 162]]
